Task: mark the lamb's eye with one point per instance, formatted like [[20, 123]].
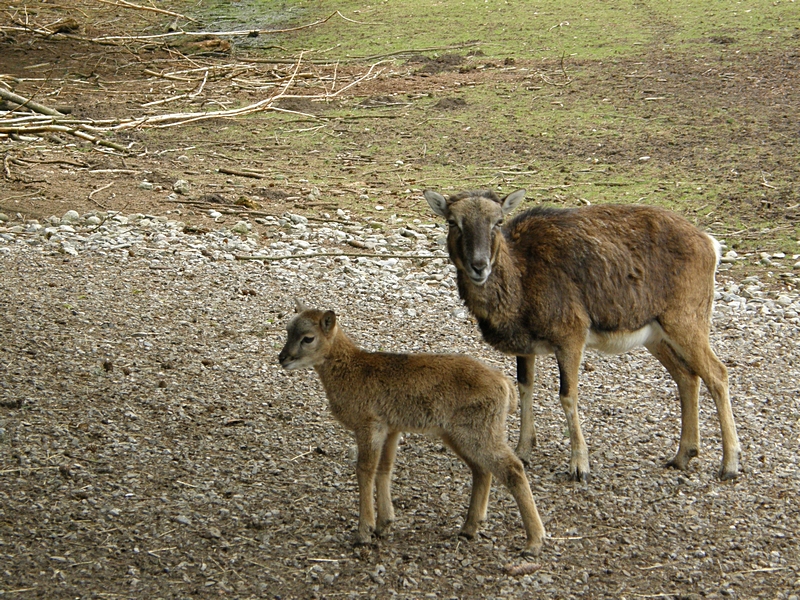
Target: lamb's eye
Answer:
[[452, 222], [308, 339]]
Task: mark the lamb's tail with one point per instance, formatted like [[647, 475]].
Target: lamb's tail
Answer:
[[511, 395]]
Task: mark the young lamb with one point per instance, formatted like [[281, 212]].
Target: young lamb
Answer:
[[379, 395]]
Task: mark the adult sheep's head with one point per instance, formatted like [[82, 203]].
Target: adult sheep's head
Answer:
[[474, 220]]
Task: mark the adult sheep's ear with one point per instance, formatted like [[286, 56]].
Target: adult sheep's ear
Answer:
[[512, 201], [437, 202], [299, 306], [328, 321]]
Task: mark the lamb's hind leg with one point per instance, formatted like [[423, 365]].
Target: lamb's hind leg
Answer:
[[526, 373], [509, 471], [481, 486], [688, 389]]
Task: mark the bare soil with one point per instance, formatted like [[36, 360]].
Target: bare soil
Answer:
[[193, 468]]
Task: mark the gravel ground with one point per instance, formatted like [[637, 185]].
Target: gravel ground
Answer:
[[150, 447]]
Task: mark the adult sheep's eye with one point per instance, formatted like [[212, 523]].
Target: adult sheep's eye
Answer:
[[308, 339]]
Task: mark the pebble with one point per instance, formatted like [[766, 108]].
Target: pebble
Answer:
[[70, 216], [181, 187], [97, 232]]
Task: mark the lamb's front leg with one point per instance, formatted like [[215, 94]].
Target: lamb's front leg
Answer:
[[384, 483], [369, 441], [526, 373]]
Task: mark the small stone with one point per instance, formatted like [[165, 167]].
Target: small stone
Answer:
[[93, 220], [68, 249], [145, 185], [214, 532], [214, 214], [298, 219], [183, 520], [181, 187], [242, 227], [3, 217], [71, 216]]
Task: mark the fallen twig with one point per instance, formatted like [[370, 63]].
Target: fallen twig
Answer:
[[244, 173], [241, 32], [126, 4], [333, 255], [522, 569], [100, 189], [27, 102]]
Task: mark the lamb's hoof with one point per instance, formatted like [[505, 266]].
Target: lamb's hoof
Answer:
[[532, 550], [524, 456], [467, 535], [363, 539], [727, 475], [382, 529], [580, 476]]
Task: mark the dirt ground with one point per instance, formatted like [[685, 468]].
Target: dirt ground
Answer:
[[186, 471]]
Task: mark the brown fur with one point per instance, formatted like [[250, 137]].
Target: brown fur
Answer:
[[379, 395], [609, 277]]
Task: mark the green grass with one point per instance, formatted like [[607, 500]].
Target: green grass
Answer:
[[523, 29], [706, 90]]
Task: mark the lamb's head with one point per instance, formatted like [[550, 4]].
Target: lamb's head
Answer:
[[474, 220], [309, 337]]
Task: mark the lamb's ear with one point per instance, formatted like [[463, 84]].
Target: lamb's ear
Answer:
[[512, 201], [328, 321], [299, 306], [437, 203]]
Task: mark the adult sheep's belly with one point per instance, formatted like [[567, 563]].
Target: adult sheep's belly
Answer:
[[617, 342]]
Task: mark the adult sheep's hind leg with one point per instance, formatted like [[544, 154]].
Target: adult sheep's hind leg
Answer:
[[688, 390], [693, 347]]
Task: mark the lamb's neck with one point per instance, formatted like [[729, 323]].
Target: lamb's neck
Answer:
[[342, 353], [499, 298]]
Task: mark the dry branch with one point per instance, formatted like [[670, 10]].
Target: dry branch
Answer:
[[27, 102], [334, 255], [125, 4], [241, 32], [244, 173]]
